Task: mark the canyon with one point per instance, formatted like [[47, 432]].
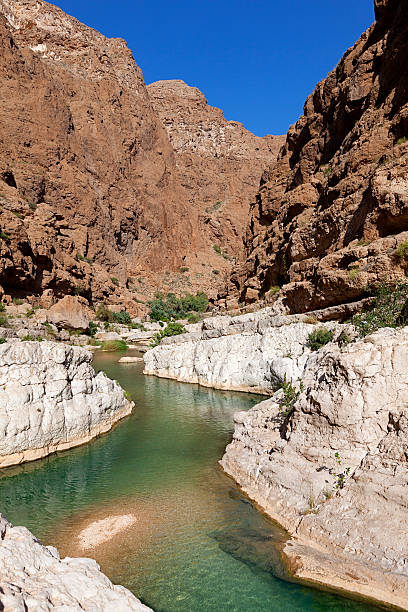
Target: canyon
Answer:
[[95, 199], [111, 190]]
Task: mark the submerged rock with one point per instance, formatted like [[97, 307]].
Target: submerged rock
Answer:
[[33, 577], [334, 471], [51, 399]]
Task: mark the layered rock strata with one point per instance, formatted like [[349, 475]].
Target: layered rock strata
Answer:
[[331, 215], [253, 352], [33, 577], [333, 470], [51, 399]]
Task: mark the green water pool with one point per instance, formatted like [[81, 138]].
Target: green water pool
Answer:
[[198, 544]]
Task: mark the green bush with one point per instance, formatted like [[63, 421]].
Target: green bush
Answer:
[[171, 329], [138, 326], [319, 337], [192, 318], [18, 301], [217, 249], [4, 321], [83, 258], [115, 281], [3, 340], [4, 236], [184, 269], [122, 317], [402, 140], [2, 307], [93, 328], [103, 313], [29, 338], [165, 308], [114, 345], [290, 395], [386, 310], [402, 250]]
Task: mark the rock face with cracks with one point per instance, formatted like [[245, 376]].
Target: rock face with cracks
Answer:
[[334, 471], [331, 213], [51, 399], [33, 577]]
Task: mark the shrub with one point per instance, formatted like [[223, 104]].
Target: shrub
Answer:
[[80, 289], [138, 326], [165, 308], [114, 345], [402, 250], [29, 338], [93, 328], [18, 301], [402, 140], [327, 171], [171, 329], [4, 236], [344, 339], [290, 395], [122, 317], [386, 310], [83, 258], [274, 290], [215, 271], [18, 215], [32, 205], [115, 281], [353, 272], [103, 313], [3, 340], [192, 318], [318, 338], [2, 307], [217, 249], [184, 269], [4, 321]]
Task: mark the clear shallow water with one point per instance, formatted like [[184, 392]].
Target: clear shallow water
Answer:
[[197, 545]]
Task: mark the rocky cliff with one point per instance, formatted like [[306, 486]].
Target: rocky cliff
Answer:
[[51, 399], [330, 216], [220, 164], [33, 577], [91, 194]]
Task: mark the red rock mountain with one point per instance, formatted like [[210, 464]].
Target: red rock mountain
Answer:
[[220, 162], [331, 216], [91, 196]]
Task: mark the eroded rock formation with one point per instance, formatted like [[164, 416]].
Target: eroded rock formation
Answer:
[[330, 215], [51, 399], [33, 577], [333, 471], [253, 352]]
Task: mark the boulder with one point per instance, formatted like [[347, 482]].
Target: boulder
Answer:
[[71, 312]]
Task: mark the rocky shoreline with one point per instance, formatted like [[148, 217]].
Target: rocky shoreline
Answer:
[[330, 465], [34, 577], [51, 399]]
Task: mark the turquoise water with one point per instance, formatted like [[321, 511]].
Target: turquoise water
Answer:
[[197, 543]]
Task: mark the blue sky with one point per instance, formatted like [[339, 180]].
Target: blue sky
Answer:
[[256, 59]]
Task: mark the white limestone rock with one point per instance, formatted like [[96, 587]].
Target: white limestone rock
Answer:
[[33, 578], [334, 473], [51, 399], [252, 352]]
